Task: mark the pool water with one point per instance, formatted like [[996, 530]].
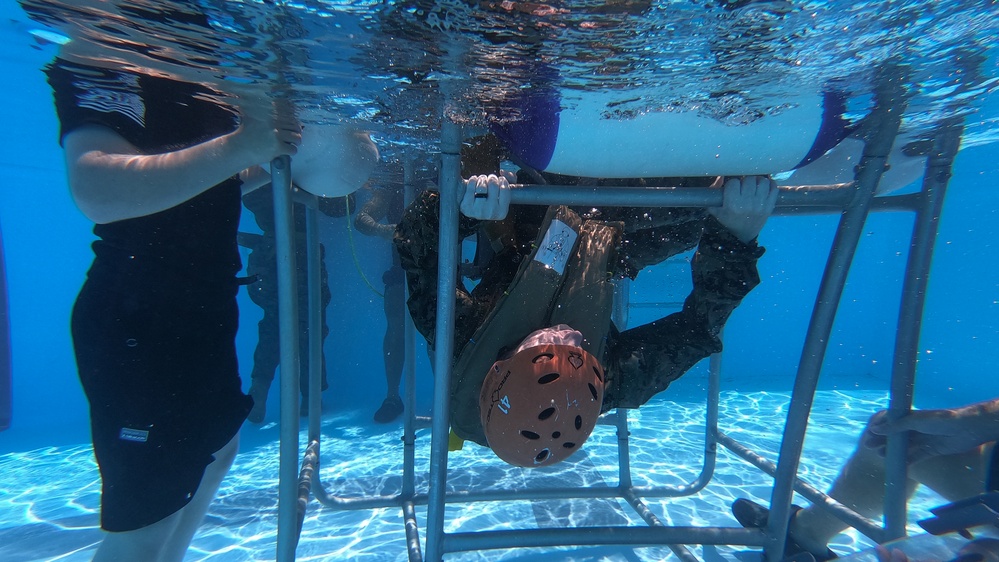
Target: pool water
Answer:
[[49, 517]]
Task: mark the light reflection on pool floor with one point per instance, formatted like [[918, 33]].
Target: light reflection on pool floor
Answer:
[[49, 497]]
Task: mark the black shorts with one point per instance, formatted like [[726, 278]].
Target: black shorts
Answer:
[[161, 376]]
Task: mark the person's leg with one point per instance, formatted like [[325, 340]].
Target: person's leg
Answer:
[[393, 346], [266, 358], [860, 486], [146, 543], [192, 514]]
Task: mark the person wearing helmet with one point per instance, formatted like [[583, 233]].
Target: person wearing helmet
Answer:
[[537, 358]]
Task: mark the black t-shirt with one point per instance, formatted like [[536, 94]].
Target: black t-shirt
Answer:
[[193, 243]]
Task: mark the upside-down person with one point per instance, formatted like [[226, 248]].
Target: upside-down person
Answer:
[[537, 359]]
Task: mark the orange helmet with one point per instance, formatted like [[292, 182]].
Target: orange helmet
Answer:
[[539, 406]]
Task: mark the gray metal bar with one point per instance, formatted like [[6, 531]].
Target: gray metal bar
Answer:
[[643, 510], [924, 233], [315, 313], [310, 464], [287, 539], [866, 526], [447, 279], [409, 421], [838, 196], [593, 536], [412, 532], [883, 124], [623, 449]]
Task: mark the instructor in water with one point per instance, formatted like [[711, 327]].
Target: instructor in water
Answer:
[[537, 358]]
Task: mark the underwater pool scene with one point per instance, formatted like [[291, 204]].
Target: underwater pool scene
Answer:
[[667, 448], [571, 88]]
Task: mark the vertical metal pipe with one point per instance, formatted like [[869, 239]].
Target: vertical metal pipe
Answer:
[[711, 421], [910, 315], [623, 449], [409, 421], [315, 313], [883, 124], [287, 539], [447, 280]]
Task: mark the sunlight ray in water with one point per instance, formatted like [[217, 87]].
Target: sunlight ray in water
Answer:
[[667, 441]]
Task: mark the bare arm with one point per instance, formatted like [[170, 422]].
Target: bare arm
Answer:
[[111, 180], [373, 211]]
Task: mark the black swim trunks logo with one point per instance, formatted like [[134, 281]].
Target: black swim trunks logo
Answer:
[[134, 435]]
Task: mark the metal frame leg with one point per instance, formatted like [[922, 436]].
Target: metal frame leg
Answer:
[[883, 123], [924, 233], [287, 539]]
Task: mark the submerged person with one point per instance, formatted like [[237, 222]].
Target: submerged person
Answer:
[[262, 270], [159, 167], [386, 203], [951, 451], [537, 358]]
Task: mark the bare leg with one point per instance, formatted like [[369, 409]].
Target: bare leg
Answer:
[[860, 486], [146, 543], [192, 514], [393, 346], [168, 539]]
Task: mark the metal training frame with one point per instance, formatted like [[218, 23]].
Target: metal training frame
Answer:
[[854, 201]]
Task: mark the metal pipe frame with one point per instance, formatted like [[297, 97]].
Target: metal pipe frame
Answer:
[[284, 225], [854, 200], [924, 234], [882, 127]]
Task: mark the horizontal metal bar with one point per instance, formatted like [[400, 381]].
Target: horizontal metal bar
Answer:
[[869, 528], [467, 496], [837, 195], [594, 536]]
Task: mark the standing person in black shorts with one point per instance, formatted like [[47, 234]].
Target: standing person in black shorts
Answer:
[[261, 268], [159, 166], [386, 204]]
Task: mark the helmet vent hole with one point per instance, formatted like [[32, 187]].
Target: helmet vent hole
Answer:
[[593, 390], [542, 357], [546, 413], [568, 445], [556, 435], [598, 373], [579, 422], [542, 456], [529, 434], [550, 377]]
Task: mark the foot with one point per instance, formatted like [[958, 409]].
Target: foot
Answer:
[[752, 515], [259, 410], [390, 410]]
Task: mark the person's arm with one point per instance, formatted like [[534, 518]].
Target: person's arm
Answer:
[[938, 432], [643, 361], [373, 211], [111, 180], [253, 178]]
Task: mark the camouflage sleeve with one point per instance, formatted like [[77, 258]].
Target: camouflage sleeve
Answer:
[[643, 361], [416, 239]]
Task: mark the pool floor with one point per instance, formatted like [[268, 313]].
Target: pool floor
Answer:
[[49, 498]]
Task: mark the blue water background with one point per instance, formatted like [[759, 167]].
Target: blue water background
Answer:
[[47, 248]]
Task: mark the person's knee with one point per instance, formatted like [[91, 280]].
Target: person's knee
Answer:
[[144, 543], [225, 456]]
